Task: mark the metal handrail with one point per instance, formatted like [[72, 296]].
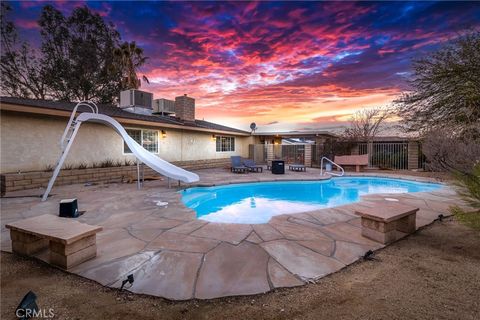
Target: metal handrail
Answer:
[[89, 104], [331, 173]]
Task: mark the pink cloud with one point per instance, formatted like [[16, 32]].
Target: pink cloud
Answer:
[[27, 24]]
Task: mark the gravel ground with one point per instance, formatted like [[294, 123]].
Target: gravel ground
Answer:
[[433, 274]]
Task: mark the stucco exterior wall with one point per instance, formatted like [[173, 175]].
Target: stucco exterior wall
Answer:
[[31, 143]]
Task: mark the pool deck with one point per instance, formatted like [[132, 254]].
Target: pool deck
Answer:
[[173, 255]]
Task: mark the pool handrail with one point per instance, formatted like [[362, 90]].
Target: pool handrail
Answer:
[[331, 173], [71, 122]]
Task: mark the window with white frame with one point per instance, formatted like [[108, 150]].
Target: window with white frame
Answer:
[[225, 144], [146, 138]]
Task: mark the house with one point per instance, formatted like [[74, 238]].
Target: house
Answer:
[[31, 130]]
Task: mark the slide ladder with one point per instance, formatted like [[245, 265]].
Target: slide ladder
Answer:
[[331, 173], [143, 156]]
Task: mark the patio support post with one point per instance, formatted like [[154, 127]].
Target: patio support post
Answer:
[[138, 175], [413, 155], [370, 153], [308, 155]]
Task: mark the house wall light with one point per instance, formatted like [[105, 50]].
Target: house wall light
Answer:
[[164, 134], [214, 137]]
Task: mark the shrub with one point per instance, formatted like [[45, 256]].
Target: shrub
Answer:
[[68, 166], [468, 185], [82, 165], [107, 163], [446, 151], [129, 162]]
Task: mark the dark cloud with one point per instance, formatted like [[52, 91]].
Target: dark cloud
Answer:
[[248, 59]]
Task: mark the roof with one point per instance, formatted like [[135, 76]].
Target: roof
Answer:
[[114, 111], [300, 133]]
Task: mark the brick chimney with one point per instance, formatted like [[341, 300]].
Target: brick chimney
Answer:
[[185, 108]]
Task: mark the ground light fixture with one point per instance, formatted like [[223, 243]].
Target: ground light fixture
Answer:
[[27, 307], [369, 255], [68, 208], [129, 280]]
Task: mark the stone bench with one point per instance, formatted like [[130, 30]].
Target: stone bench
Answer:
[[387, 222], [70, 242], [354, 160]]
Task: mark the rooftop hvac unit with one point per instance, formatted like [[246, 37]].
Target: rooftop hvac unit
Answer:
[[136, 101], [136, 98], [164, 106]]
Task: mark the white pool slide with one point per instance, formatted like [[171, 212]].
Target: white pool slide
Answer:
[[161, 166]]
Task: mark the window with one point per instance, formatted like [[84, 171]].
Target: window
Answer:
[[225, 144], [146, 138]]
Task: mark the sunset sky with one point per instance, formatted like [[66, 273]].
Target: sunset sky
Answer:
[[283, 65]]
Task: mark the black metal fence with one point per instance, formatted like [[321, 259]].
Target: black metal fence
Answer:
[[383, 155], [386, 155], [289, 153]]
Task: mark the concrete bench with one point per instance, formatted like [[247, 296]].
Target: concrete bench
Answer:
[[70, 242], [387, 222], [356, 160]]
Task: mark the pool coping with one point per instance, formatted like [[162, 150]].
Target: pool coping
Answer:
[[366, 175]]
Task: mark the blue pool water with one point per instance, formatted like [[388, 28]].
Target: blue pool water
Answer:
[[258, 202]]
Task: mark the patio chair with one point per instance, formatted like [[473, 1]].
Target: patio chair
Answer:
[[237, 166], [251, 165]]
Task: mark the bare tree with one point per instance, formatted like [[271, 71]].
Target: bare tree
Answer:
[[446, 151], [445, 88], [365, 124], [22, 72]]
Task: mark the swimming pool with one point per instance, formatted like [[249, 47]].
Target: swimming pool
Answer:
[[256, 203]]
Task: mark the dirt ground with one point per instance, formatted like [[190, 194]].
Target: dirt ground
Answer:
[[434, 273]]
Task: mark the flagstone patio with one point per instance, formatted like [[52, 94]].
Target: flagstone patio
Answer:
[[173, 255]]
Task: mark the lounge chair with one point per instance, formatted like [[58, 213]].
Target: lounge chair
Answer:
[[237, 166], [250, 164]]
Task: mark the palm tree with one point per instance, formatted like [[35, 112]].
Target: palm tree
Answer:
[[129, 59]]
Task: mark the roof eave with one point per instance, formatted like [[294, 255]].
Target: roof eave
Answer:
[[4, 106]]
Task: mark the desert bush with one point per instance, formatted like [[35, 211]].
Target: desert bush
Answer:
[[129, 162], [68, 166], [446, 151], [107, 163], [468, 186], [82, 165]]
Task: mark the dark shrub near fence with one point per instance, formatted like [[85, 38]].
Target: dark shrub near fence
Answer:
[[330, 149]]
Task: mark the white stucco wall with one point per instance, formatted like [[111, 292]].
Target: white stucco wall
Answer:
[[31, 142]]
